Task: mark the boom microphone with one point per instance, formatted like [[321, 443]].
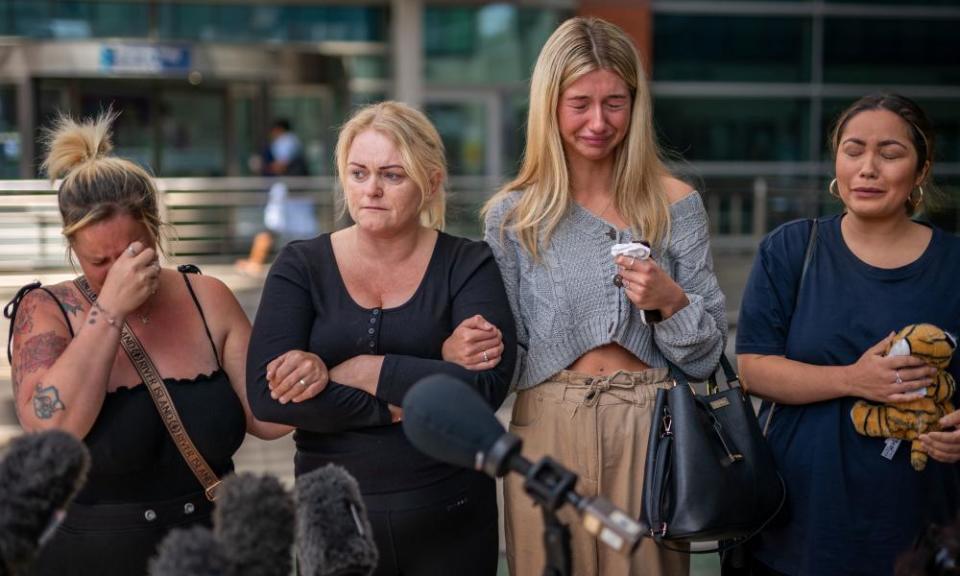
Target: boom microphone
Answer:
[[252, 534], [447, 420], [253, 522], [190, 552], [334, 537], [39, 477]]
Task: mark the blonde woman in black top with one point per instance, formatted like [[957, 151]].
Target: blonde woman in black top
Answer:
[[349, 321]]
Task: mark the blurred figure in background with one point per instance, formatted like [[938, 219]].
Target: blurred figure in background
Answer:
[[283, 157], [71, 372]]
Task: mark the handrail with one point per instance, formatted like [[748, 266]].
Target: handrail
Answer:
[[215, 218]]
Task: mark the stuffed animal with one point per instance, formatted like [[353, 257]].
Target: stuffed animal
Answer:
[[908, 420]]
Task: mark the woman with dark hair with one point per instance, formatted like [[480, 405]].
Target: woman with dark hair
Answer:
[[817, 345], [71, 372]]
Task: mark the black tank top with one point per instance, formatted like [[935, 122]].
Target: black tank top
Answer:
[[133, 457]]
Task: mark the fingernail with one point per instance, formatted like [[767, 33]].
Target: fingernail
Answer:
[[273, 395]]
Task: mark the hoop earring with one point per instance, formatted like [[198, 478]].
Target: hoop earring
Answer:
[[830, 188], [916, 203]]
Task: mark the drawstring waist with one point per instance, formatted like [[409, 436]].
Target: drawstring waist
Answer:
[[621, 386]]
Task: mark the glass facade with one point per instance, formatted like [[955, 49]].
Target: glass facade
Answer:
[[211, 21], [271, 22], [732, 129], [731, 48], [492, 44], [9, 135], [753, 90], [884, 51], [57, 19]]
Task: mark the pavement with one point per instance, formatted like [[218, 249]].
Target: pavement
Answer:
[[276, 456]]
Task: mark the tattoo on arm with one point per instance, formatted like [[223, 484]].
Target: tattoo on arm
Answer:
[[67, 297], [46, 401], [40, 351]]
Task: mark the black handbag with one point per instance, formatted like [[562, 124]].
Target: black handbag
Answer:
[[709, 474]]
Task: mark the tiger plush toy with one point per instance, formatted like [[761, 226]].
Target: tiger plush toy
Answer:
[[908, 420]]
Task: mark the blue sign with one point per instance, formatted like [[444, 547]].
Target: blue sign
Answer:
[[152, 58]]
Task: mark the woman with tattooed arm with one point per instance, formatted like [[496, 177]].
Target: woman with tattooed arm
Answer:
[[71, 372]]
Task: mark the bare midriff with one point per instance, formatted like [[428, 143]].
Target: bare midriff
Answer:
[[606, 360]]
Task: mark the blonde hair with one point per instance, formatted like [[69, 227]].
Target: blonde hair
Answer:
[[576, 48], [421, 151], [97, 186]]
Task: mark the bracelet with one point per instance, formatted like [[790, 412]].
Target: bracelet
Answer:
[[111, 320]]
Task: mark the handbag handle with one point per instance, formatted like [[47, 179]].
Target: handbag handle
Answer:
[[680, 378]]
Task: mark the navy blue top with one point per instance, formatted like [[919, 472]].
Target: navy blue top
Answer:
[[849, 510], [306, 306]]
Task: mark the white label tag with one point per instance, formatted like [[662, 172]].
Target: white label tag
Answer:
[[890, 448]]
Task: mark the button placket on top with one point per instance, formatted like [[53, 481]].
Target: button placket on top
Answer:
[[373, 329]]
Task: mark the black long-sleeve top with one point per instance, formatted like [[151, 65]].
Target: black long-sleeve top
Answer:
[[305, 306]]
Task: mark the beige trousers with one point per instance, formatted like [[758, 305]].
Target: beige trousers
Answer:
[[598, 428]]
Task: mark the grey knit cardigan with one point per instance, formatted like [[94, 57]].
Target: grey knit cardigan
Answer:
[[566, 304]]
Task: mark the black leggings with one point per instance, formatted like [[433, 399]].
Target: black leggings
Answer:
[[456, 535]]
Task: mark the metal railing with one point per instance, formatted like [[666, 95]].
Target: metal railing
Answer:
[[214, 219]]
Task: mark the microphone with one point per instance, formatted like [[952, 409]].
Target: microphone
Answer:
[[449, 421], [334, 536], [39, 477], [253, 522], [252, 534], [190, 552]]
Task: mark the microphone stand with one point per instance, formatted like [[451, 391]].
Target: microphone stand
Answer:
[[548, 484], [551, 486]]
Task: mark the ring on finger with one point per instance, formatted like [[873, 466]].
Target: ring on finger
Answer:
[[486, 357], [302, 382], [626, 284], [632, 260], [899, 379]]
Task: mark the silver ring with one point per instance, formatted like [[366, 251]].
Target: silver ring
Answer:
[[632, 260], [131, 250], [485, 357], [899, 379], [626, 284], [301, 382]]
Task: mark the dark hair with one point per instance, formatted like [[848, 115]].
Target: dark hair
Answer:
[[282, 123], [921, 131]]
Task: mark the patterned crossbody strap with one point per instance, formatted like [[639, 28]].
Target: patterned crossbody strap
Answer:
[[162, 400], [807, 258]]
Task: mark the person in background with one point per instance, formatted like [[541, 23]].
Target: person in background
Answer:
[[283, 157], [349, 321], [853, 502], [71, 373], [590, 366]]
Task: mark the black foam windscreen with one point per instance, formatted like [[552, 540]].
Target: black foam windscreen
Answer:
[[191, 552], [334, 536], [447, 420], [254, 524], [39, 476]]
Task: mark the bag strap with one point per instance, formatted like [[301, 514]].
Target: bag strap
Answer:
[[162, 400], [807, 258]]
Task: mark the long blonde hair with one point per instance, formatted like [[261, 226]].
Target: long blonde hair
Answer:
[[421, 151], [97, 186], [577, 47]]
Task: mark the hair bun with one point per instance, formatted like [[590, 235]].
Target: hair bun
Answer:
[[71, 143]]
